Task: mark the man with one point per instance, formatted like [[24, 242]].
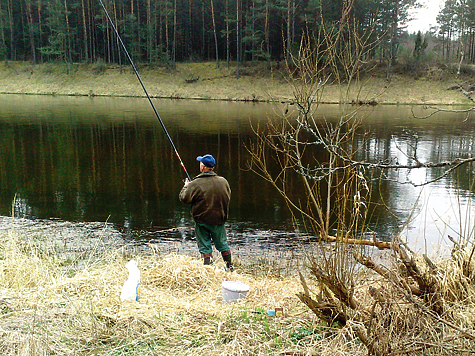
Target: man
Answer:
[[209, 196]]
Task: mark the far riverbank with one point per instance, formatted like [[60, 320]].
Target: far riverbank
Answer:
[[204, 81]]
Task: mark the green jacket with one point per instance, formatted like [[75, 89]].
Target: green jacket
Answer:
[[209, 196]]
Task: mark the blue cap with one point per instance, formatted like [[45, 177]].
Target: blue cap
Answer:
[[207, 160]]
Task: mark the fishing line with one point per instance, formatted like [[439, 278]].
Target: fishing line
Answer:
[[143, 87]]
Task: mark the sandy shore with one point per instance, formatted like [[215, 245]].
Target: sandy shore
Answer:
[[205, 81]]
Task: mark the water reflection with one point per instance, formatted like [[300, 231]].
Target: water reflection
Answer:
[[92, 160], [427, 214], [107, 159]]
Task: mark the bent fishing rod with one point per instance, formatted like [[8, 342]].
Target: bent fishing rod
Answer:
[[143, 87]]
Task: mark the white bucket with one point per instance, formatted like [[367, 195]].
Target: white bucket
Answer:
[[233, 291]]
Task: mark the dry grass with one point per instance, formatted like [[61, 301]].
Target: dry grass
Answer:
[[52, 303], [256, 83], [50, 307]]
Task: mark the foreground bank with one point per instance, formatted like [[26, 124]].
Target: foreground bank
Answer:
[[57, 300], [54, 302], [205, 81]]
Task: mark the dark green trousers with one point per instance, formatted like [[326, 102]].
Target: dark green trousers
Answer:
[[207, 235]]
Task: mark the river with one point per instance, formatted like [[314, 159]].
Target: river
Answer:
[[107, 160]]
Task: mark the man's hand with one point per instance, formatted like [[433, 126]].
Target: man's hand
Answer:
[[187, 181]]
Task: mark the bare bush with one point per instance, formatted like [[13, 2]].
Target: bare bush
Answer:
[[410, 305]]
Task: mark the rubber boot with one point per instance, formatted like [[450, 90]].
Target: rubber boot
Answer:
[[207, 258], [227, 258]]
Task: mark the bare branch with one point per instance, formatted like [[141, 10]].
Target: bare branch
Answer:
[[437, 109]]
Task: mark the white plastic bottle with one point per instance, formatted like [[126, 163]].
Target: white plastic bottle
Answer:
[[131, 287]]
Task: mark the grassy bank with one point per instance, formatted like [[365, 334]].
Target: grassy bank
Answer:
[[54, 302], [205, 81], [53, 305]]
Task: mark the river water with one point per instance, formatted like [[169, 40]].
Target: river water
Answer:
[[107, 160]]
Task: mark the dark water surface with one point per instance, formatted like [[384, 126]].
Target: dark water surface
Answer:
[[107, 160]]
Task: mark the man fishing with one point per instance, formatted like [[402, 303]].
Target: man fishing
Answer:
[[209, 196], [208, 193]]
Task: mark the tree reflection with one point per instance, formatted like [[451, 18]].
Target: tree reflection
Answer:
[[78, 165]]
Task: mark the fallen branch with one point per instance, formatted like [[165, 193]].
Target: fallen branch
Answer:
[[192, 80], [467, 94], [386, 274], [374, 242], [328, 312]]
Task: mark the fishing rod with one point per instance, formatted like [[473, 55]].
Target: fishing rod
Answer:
[[143, 87]]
